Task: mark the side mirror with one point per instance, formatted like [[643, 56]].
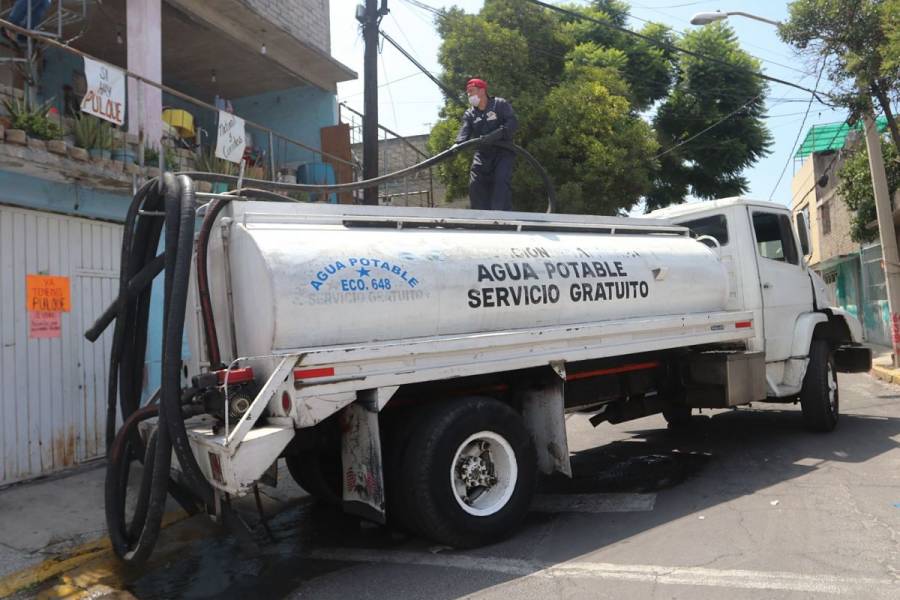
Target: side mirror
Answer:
[[803, 233]]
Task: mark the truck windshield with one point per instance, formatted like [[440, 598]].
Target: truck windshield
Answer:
[[713, 226]]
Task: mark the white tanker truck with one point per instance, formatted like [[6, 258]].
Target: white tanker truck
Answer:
[[415, 366]]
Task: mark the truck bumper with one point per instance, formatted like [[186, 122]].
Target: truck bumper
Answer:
[[853, 359]]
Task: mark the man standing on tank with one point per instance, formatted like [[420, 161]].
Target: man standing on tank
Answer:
[[491, 172]]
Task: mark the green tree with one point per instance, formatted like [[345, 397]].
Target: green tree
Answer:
[[850, 38], [582, 91], [710, 125], [855, 188]]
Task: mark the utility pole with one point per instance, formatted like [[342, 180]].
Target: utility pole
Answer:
[[370, 15], [889, 253]]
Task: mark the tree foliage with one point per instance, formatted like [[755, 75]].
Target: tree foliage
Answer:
[[855, 188], [583, 93], [855, 42], [707, 95]]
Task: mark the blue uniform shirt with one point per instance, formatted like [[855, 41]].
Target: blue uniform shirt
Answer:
[[476, 123]]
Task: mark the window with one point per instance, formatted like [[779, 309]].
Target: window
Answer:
[[774, 237], [825, 218], [714, 226]]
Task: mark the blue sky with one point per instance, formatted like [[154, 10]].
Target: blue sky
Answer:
[[409, 103]]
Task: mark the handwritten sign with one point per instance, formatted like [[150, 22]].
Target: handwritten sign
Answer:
[[105, 96], [231, 138], [44, 324], [47, 293]]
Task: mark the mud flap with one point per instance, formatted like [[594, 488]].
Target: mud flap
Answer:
[[363, 478], [543, 409]]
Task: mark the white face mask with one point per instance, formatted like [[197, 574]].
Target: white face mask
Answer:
[[474, 100]]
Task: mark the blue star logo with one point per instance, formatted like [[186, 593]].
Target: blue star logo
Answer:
[[363, 272]]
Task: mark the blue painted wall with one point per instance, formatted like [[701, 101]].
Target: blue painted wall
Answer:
[[67, 198], [297, 113]]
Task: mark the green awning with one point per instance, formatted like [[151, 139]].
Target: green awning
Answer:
[[831, 136]]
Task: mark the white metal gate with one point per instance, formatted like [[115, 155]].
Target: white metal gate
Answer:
[[52, 390]]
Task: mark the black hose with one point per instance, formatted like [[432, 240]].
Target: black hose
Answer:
[[134, 541], [492, 138], [180, 220], [135, 286]]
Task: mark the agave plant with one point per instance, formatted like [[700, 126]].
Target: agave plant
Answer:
[[208, 162], [85, 130], [32, 119]]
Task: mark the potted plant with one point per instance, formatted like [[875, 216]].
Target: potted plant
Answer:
[[32, 120], [151, 156], [208, 162], [170, 158], [103, 143], [84, 131]]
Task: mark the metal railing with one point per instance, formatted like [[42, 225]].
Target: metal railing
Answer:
[[274, 140], [417, 189]]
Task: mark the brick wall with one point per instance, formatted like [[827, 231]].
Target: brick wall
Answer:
[[393, 155], [833, 216], [307, 20]]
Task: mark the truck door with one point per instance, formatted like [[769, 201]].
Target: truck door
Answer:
[[784, 284]]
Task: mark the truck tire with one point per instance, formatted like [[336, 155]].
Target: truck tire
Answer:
[[819, 395], [470, 471], [318, 472], [678, 417]]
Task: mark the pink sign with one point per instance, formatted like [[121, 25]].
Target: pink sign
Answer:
[[43, 324]]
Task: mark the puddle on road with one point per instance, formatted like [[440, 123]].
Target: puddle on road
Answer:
[[601, 470], [221, 566]]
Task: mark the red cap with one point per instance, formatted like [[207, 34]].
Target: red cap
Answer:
[[480, 83]]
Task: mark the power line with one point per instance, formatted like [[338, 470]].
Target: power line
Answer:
[[668, 45], [426, 7], [682, 32], [799, 133], [386, 83], [717, 123]]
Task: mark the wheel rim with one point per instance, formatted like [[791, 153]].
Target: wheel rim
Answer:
[[831, 383], [483, 473]]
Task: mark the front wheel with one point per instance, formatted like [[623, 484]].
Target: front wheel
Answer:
[[470, 469], [819, 395]]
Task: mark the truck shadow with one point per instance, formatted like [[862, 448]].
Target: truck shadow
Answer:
[[721, 457]]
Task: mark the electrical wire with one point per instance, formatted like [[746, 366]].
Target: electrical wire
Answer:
[[390, 95], [716, 124], [799, 132], [682, 32], [670, 46]]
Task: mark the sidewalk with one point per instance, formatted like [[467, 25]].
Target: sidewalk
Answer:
[[53, 526], [882, 364]]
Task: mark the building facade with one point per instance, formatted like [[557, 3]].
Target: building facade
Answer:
[[853, 272], [62, 206]]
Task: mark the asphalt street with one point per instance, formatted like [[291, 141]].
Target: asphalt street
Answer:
[[747, 504]]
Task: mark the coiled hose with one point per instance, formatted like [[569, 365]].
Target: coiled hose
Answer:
[[174, 196]]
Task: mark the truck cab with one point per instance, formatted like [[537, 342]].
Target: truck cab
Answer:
[[762, 251]]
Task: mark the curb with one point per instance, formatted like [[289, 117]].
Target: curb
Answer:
[[886, 374], [76, 557]]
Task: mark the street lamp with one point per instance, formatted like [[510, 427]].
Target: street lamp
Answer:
[[705, 18], [883, 209]]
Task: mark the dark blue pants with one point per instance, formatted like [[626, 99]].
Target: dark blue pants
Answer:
[[492, 191]]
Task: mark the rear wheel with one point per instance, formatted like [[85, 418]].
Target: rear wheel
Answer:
[[819, 394], [318, 471], [469, 473]]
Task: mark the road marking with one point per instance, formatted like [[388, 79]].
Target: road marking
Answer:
[[72, 559], [593, 503], [656, 574]]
